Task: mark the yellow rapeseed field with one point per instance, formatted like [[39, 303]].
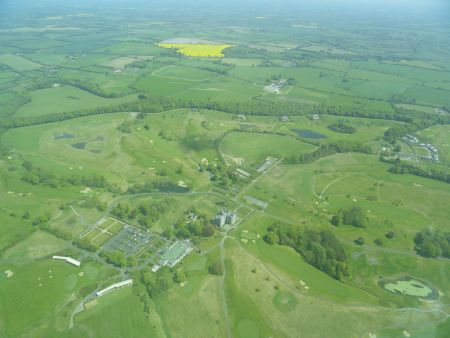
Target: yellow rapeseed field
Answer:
[[193, 49]]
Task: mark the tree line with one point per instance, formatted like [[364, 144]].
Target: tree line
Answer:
[[406, 168], [38, 176], [253, 107], [327, 149]]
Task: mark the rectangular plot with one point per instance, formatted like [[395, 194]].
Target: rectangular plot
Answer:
[[107, 223], [92, 234], [102, 239], [116, 227], [256, 202]]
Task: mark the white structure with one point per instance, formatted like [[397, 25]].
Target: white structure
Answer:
[[267, 163], [68, 260], [113, 287], [225, 217], [243, 172]]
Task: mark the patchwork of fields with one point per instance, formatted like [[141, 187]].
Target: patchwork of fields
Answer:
[[279, 159]]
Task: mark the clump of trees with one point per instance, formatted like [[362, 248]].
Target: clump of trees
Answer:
[[342, 146], [354, 216], [216, 268], [198, 228], [93, 202], [222, 175], [197, 142], [125, 127], [84, 244], [342, 127], [157, 282], [320, 248], [432, 244], [116, 258], [145, 213]]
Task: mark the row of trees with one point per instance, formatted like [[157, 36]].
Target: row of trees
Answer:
[[433, 173], [399, 130], [320, 248], [253, 107], [155, 186], [38, 176], [432, 244], [327, 149]]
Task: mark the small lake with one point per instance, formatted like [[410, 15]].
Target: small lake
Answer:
[[306, 133], [79, 146], [63, 136], [411, 287]]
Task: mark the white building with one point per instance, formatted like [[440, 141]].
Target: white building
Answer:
[[68, 260], [113, 287]]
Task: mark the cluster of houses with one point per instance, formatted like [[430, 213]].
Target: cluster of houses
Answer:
[[276, 87], [225, 216], [432, 150]]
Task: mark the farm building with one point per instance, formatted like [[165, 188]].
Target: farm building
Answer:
[[244, 173], [68, 260], [266, 164], [113, 287]]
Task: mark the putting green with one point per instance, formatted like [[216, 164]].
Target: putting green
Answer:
[[284, 301], [70, 282]]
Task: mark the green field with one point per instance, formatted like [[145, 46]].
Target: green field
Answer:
[[18, 63], [251, 148], [128, 127], [67, 99]]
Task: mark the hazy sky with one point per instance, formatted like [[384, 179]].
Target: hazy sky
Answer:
[[419, 8]]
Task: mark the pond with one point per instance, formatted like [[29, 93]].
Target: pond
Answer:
[[306, 133], [79, 146], [63, 136], [411, 287]]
